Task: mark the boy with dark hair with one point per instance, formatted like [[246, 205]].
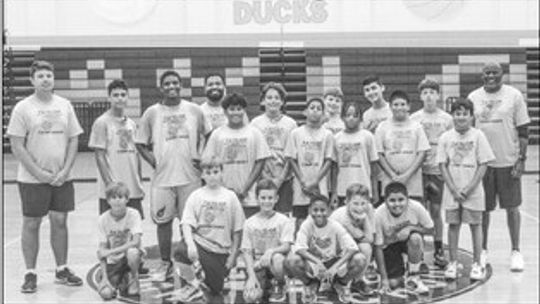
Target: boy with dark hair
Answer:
[[400, 224], [402, 146], [242, 149], [266, 241], [43, 131], [310, 149], [333, 102], [435, 122], [380, 110], [463, 155], [324, 253], [120, 252]]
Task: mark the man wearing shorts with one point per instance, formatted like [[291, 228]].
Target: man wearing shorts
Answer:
[[501, 113], [44, 137], [174, 127]]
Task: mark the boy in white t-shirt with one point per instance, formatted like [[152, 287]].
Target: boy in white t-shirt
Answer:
[[333, 102], [266, 241], [325, 254], [356, 155], [402, 146], [463, 155], [120, 252], [400, 224], [310, 149], [435, 122], [242, 150], [212, 228], [276, 127]]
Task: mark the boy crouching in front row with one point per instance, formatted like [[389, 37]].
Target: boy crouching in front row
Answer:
[[120, 252], [324, 253]]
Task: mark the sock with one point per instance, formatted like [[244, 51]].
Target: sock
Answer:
[[438, 246], [414, 267], [32, 270], [61, 267]]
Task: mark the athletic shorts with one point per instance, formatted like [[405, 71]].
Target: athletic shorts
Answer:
[[463, 215], [499, 184], [433, 188], [166, 203], [117, 273], [213, 265], [38, 199], [393, 258], [342, 270], [135, 203]]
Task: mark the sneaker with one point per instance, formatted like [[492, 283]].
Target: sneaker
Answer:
[[343, 292], [414, 284], [439, 260], [423, 268], [67, 277], [451, 271], [477, 272], [164, 271], [483, 258], [30, 283], [278, 293], [310, 293], [362, 288], [142, 269], [371, 273], [187, 294], [516, 261]]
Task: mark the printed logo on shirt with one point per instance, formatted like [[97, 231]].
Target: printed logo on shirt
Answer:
[[118, 237], [236, 151], [217, 119], [401, 142], [320, 247], [347, 152], [487, 111], [461, 150], [175, 126], [272, 136], [210, 211], [48, 119], [125, 140], [433, 131], [312, 149], [265, 238], [391, 232]]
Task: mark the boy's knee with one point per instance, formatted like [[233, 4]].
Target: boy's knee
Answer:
[[294, 262], [32, 223], [415, 240], [133, 255], [278, 259], [365, 249]]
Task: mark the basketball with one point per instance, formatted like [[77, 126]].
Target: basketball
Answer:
[[107, 293]]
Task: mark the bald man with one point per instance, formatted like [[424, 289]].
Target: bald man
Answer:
[[501, 113]]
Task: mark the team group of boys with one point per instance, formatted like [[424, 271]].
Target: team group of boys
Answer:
[[355, 185]]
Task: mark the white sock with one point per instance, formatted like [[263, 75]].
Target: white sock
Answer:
[[414, 267], [33, 270], [61, 267]]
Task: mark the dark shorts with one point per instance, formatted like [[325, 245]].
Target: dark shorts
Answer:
[[433, 188], [393, 259], [133, 203], [213, 265], [499, 183], [117, 273], [285, 192], [38, 199]]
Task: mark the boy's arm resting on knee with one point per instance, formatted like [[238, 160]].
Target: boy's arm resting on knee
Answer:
[[135, 242], [305, 254], [379, 258], [146, 154], [250, 264]]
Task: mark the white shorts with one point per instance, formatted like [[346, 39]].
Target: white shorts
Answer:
[[166, 203]]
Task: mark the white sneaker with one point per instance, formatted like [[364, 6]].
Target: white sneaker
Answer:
[[483, 258], [516, 261], [451, 271], [415, 284], [477, 272]]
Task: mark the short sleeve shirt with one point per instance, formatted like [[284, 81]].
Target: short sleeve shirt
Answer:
[[357, 229], [260, 233], [463, 154], [215, 215], [116, 135], [399, 142], [175, 133], [238, 149], [326, 242], [373, 117], [435, 124], [276, 134], [354, 152], [497, 115], [46, 128], [388, 226], [116, 233]]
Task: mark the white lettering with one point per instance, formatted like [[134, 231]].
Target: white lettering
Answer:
[[280, 11]]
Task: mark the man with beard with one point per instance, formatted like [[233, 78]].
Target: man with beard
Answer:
[[215, 91], [501, 113]]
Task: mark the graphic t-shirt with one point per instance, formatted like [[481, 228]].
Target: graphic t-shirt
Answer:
[[261, 233], [238, 149], [435, 124], [326, 242], [116, 135], [216, 115], [355, 152], [400, 142], [388, 227], [214, 214], [276, 133], [118, 232], [497, 115], [175, 133], [334, 125], [373, 117], [357, 229], [47, 128], [310, 147], [464, 153]]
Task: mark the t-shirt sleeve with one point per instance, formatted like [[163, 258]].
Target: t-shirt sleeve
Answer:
[[246, 239], [98, 135], [263, 151], [302, 236], [423, 142], [73, 122], [144, 131], [329, 144], [188, 215], [485, 153], [345, 239], [372, 148], [423, 216], [379, 137], [136, 225], [102, 234], [291, 149], [521, 116], [17, 124], [442, 158], [238, 214], [287, 233]]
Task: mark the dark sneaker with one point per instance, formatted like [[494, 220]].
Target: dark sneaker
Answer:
[[67, 277], [30, 283], [142, 269], [364, 289], [439, 260]]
